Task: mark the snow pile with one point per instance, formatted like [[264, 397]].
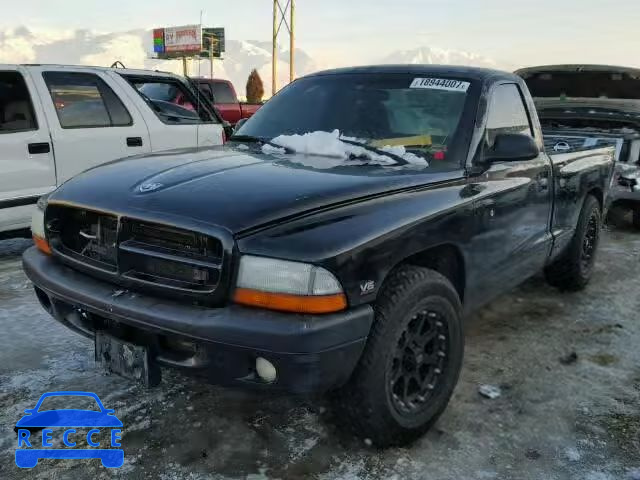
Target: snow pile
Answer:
[[490, 391], [330, 144]]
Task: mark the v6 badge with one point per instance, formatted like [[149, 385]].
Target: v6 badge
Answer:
[[367, 287]]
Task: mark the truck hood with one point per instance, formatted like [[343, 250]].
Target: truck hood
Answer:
[[585, 90], [234, 189]]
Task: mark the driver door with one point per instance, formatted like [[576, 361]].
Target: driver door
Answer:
[[512, 203]]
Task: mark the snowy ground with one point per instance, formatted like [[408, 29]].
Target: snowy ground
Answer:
[[556, 418]]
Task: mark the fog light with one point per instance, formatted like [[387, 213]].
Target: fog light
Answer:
[[266, 370]]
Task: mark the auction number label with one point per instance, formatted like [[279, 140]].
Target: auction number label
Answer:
[[440, 84]]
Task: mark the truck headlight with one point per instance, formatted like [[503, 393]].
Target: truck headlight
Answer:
[[37, 226], [287, 286]]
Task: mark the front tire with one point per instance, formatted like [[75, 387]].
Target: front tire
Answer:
[[411, 362], [572, 271]]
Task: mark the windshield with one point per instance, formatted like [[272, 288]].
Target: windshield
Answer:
[[421, 114]]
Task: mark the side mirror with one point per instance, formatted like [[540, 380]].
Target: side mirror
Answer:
[[512, 147], [239, 124]]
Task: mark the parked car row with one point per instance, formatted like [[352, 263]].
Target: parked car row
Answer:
[[334, 244], [603, 103]]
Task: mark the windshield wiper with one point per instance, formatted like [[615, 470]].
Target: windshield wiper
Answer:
[[265, 141], [397, 158]]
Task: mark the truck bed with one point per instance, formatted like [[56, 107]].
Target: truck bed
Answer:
[[570, 141]]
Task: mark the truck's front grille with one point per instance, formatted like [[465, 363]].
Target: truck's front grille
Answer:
[[136, 252], [87, 236], [161, 237]]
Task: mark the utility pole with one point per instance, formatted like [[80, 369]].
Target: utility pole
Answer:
[[292, 36], [274, 50], [280, 17]]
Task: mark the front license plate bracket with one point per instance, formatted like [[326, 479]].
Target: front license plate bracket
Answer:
[[126, 359]]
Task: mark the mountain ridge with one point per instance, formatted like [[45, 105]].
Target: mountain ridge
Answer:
[[85, 47]]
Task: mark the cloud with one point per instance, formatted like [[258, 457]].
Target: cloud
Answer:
[[20, 45], [127, 48], [133, 48]]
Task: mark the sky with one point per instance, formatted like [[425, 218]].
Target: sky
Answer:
[[340, 32]]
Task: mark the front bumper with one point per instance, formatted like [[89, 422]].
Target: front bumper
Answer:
[[312, 353]]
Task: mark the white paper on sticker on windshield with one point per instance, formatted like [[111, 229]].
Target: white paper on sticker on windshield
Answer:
[[440, 84]]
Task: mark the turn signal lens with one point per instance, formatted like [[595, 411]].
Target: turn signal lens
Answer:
[[291, 303], [37, 230], [287, 286], [42, 244]]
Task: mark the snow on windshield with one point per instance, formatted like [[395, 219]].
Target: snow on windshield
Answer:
[[329, 144]]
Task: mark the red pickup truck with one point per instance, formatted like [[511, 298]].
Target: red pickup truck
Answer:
[[224, 98]]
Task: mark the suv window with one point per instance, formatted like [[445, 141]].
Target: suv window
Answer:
[[507, 113], [222, 93], [83, 100], [171, 100], [16, 109]]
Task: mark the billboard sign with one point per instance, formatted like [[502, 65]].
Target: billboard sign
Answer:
[[185, 39], [158, 40], [213, 42]]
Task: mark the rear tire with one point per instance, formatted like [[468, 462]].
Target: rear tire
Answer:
[[574, 268], [411, 361]]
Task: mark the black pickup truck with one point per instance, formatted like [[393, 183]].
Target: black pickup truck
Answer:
[[333, 245]]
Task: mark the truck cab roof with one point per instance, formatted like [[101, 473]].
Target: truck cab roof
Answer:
[[472, 73]]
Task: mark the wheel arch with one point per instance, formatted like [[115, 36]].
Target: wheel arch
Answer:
[[598, 194], [446, 259]]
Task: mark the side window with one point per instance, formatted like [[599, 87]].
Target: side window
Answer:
[[16, 109], [507, 113], [83, 100], [222, 93], [170, 100]]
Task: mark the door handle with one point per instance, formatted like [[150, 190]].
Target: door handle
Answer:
[[36, 148], [134, 141]]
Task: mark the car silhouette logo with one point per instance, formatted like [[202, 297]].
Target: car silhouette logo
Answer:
[[27, 453]]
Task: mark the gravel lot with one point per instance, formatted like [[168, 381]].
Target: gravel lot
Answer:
[[559, 415]]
